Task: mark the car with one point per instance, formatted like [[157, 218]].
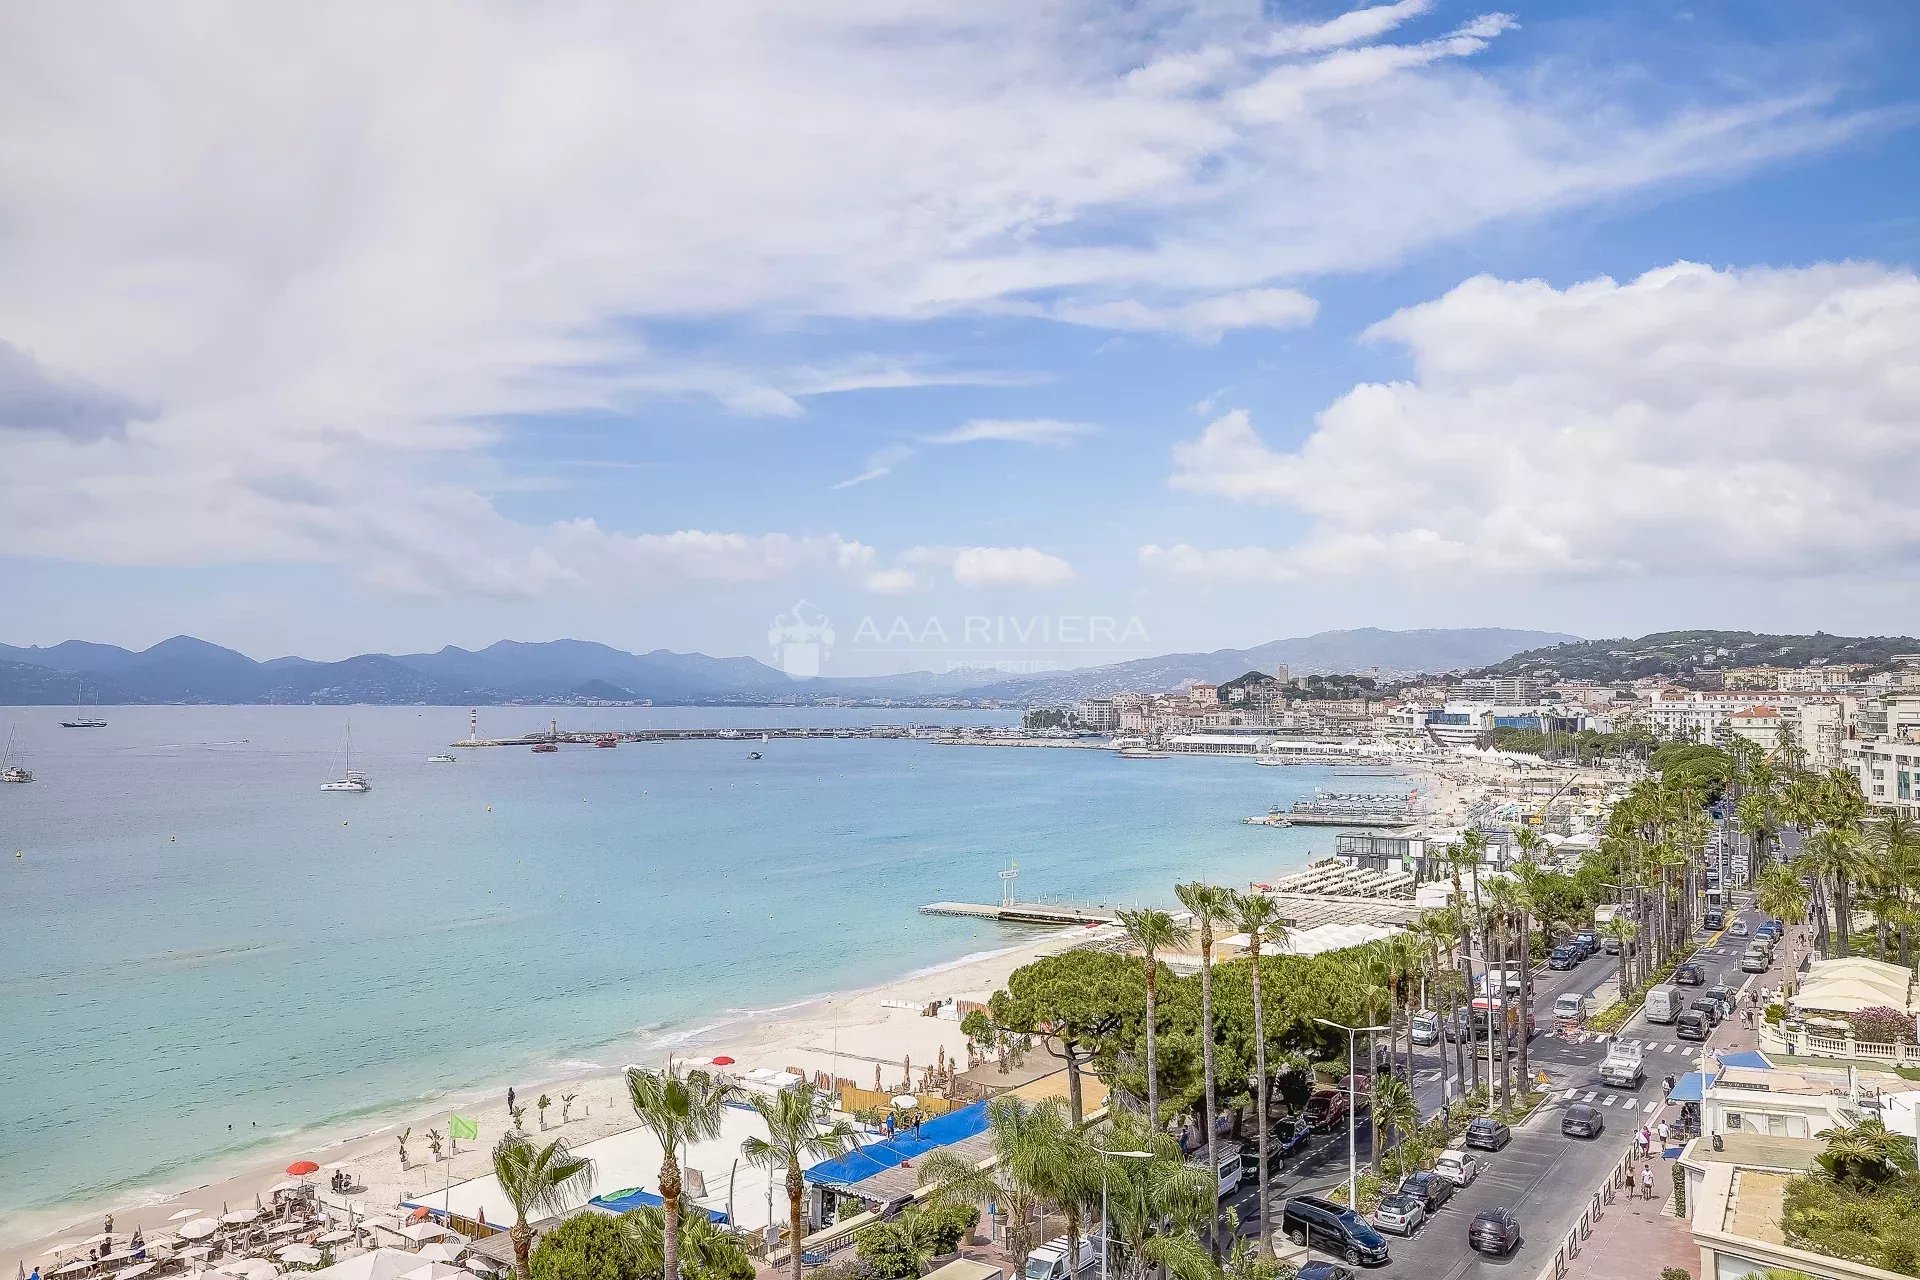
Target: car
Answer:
[[1424, 1027], [1457, 1166], [1292, 1134], [1400, 1214], [1771, 930], [1738, 929], [1692, 1026], [1708, 1006], [1494, 1231], [1690, 975], [1756, 961], [1429, 1188], [1726, 996], [1582, 1121], [1488, 1134], [1588, 942], [1326, 1108], [1323, 1271], [1712, 920], [1332, 1228], [1562, 958], [1571, 1006], [1049, 1261], [1283, 1139]]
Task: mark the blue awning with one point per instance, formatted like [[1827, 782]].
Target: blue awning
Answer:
[[1745, 1058], [1691, 1087], [634, 1198], [865, 1161]]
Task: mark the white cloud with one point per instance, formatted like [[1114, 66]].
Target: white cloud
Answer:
[[1015, 430], [1690, 420], [995, 566], [894, 582], [433, 219]]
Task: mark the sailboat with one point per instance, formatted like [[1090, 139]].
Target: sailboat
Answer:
[[350, 779], [9, 771], [83, 722]]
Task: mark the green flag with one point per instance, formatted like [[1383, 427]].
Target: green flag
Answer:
[[462, 1127]]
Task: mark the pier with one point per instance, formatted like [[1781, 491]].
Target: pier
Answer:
[[1023, 912]]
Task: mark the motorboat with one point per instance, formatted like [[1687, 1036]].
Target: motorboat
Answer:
[[545, 748], [440, 759], [1142, 753], [606, 740], [753, 755]]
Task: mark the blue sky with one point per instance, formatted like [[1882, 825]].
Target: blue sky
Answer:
[[1226, 322]]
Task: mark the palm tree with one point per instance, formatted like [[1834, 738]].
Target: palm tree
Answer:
[[538, 1180], [678, 1108], [1157, 1206], [1437, 934], [1504, 897], [797, 1133], [1621, 930], [1778, 891], [1755, 815], [1396, 1112], [1035, 1148], [1258, 916], [1151, 930], [1896, 845], [1209, 904], [706, 1251], [1864, 1152], [1528, 878], [1465, 853]]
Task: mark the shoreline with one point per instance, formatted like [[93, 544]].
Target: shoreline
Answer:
[[371, 1151]]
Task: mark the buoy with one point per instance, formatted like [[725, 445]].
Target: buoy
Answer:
[[18, 854], [489, 808], [343, 822], [173, 839]]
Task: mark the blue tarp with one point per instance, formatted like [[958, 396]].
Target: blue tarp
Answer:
[[634, 1198], [1691, 1087], [1745, 1058], [865, 1161]]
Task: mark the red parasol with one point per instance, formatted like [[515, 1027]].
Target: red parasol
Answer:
[[419, 1214], [300, 1168], [723, 1061]]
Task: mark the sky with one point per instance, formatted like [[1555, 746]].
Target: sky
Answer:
[[1027, 333]]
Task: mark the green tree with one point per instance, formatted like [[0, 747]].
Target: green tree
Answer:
[[890, 1252], [1210, 906], [679, 1108], [538, 1180], [1258, 916], [587, 1246], [1863, 1153], [1078, 1003], [704, 1251], [1032, 1145], [1156, 1207], [1396, 1113], [1151, 931], [800, 1131]]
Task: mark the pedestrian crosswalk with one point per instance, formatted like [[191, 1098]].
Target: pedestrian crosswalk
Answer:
[[1607, 1098], [1664, 1046]]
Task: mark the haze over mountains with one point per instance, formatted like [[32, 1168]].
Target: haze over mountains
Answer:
[[187, 670]]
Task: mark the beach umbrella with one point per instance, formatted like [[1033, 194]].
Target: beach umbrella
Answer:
[[285, 1228], [335, 1237], [80, 1264], [287, 1184], [250, 1269], [61, 1248], [305, 1254], [419, 1214], [485, 1266], [195, 1251], [441, 1251], [722, 1061], [199, 1229], [184, 1213], [139, 1270], [301, 1168], [239, 1217]]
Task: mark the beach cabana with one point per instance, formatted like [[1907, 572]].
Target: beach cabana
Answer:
[[618, 1202], [881, 1172]]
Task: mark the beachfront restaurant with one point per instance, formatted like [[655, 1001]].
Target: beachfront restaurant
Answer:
[[876, 1175]]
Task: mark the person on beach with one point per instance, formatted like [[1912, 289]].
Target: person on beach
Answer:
[[509, 1099]]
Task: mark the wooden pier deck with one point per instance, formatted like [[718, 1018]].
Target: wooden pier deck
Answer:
[[1024, 912]]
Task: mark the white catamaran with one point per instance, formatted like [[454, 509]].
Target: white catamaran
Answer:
[[350, 779]]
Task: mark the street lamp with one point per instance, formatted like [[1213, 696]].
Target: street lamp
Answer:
[[1353, 1195], [1106, 1230]]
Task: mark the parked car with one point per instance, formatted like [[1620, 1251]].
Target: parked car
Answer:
[[1332, 1228], [1771, 930], [1713, 920], [1429, 1188], [1424, 1027], [1227, 1175], [1738, 929], [1690, 975], [1588, 942], [1494, 1231], [1323, 1271], [1458, 1167], [1488, 1134], [1692, 1026], [1563, 958], [1756, 960], [1726, 996], [1400, 1214], [1708, 1007], [1049, 1261], [1292, 1135], [1582, 1121], [1326, 1108]]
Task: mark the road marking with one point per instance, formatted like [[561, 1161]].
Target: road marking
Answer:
[[1652, 1107], [1590, 1096], [1610, 1099]]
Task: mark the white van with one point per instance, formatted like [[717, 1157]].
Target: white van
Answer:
[[1664, 1003], [1049, 1261], [1229, 1171]]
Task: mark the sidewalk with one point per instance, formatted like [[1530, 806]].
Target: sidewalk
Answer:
[[1639, 1237]]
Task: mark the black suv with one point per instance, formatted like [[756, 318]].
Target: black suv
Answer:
[[1582, 1121], [1494, 1231], [1690, 975], [1564, 956], [1692, 1026], [1331, 1228], [1488, 1134], [1429, 1188], [1707, 1006]]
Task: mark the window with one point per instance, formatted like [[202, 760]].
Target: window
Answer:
[[1733, 1119]]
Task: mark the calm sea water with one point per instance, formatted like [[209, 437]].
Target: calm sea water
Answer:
[[196, 937]]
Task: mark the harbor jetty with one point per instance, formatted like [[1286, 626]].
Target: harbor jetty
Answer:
[[1023, 912]]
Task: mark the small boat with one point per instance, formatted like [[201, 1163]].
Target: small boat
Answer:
[[83, 722], [545, 748], [753, 755], [440, 759], [350, 779], [1142, 753], [606, 740], [9, 771]]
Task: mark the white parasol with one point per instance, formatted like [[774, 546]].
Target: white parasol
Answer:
[[133, 1271], [239, 1217], [305, 1254], [340, 1236], [199, 1229], [441, 1251], [188, 1212], [250, 1269]]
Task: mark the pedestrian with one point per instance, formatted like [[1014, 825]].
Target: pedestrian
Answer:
[[1646, 1180], [509, 1099], [1666, 1133], [1633, 1182]]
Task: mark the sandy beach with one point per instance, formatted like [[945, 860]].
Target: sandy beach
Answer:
[[849, 1034]]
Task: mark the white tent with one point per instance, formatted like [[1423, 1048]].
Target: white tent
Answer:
[[1853, 983], [389, 1264]]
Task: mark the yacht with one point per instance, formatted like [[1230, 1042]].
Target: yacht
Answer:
[[440, 759], [350, 779], [1143, 753], [82, 721], [9, 771]]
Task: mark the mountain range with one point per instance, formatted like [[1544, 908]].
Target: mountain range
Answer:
[[187, 670], [1689, 655]]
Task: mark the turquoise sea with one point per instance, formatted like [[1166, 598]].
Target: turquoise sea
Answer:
[[194, 936]]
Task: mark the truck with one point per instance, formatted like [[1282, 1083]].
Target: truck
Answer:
[[1623, 1067], [1664, 1003]]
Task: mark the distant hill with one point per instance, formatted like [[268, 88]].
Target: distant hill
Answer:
[[186, 670], [1682, 654]]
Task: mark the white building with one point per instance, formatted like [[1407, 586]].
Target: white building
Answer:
[[1099, 715], [1509, 690], [1888, 771]]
